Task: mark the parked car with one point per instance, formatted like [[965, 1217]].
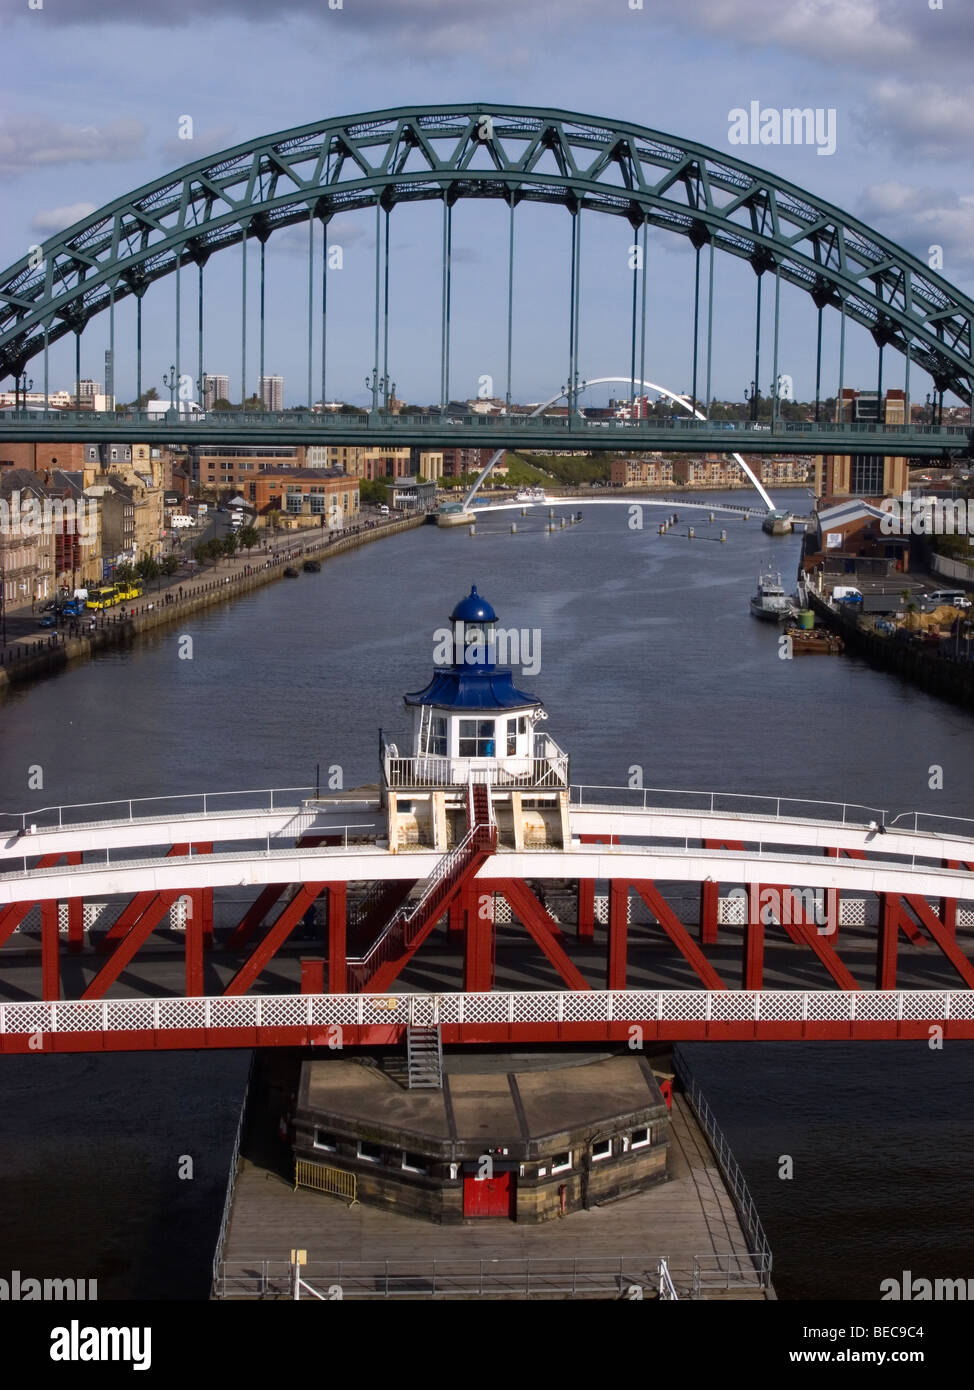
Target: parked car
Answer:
[[49, 620], [956, 598]]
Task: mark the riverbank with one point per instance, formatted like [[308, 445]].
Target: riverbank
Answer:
[[936, 674], [124, 627]]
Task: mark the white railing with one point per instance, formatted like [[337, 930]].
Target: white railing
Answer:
[[729, 803], [405, 917], [667, 1289], [550, 770], [124, 809], [498, 1008], [347, 836], [455, 1275]]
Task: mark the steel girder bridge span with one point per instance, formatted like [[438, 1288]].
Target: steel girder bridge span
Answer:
[[514, 155], [668, 916]]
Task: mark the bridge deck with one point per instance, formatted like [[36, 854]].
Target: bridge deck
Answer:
[[691, 1214]]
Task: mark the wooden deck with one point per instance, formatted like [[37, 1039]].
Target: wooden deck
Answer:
[[689, 1215]]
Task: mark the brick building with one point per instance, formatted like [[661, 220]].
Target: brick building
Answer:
[[316, 495], [864, 475], [649, 472]]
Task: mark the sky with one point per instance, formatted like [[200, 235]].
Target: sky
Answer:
[[96, 93]]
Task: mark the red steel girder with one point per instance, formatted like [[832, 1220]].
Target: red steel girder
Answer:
[[585, 909], [543, 929], [337, 938], [133, 911], [805, 933], [478, 942], [255, 914], [948, 906], [125, 950], [617, 943], [678, 933], [287, 920], [929, 919], [50, 946]]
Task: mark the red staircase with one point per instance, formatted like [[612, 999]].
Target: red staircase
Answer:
[[407, 929]]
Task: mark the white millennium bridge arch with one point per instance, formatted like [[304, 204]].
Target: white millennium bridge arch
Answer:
[[623, 380]]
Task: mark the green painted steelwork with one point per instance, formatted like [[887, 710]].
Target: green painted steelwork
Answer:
[[554, 432], [484, 151]]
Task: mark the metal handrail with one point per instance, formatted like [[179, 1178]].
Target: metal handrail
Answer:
[[404, 917], [728, 1164], [232, 1176], [448, 1274]]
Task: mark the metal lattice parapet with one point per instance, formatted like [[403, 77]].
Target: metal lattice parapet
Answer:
[[516, 154]]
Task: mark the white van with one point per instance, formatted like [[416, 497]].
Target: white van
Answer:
[[956, 598]]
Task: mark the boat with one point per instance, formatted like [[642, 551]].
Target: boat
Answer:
[[771, 603], [531, 494], [311, 566], [814, 639], [291, 573]]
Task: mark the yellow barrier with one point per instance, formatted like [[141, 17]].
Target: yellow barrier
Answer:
[[322, 1179]]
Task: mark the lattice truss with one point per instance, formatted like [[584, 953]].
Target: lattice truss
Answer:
[[519, 154]]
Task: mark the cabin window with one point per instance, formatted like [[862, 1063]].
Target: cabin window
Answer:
[[370, 1151], [477, 738], [437, 736], [602, 1148], [324, 1140], [560, 1163], [511, 737], [414, 1163], [639, 1138]]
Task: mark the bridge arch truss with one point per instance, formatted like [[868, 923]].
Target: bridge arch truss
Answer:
[[518, 154]]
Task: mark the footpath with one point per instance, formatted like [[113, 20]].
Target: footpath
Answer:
[[172, 599]]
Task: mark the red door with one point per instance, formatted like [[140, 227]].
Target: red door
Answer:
[[488, 1196]]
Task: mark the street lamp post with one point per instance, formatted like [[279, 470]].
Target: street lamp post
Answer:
[[170, 381], [753, 397]]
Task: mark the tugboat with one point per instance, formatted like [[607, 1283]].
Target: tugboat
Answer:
[[311, 566], [770, 603]]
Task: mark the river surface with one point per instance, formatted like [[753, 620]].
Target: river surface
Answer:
[[648, 659]]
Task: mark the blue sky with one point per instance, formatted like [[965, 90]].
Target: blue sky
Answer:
[[92, 105]]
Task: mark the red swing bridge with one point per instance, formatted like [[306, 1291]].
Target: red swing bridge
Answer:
[[477, 892]]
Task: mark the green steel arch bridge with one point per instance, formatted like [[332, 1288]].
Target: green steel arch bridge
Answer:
[[518, 155]]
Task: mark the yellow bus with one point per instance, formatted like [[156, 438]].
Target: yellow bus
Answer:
[[133, 589], [103, 597]]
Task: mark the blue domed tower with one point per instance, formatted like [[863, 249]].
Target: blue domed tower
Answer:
[[471, 725]]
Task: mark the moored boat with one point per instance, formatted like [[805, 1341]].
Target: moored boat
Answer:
[[770, 603], [816, 639], [311, 566], [291, 573]]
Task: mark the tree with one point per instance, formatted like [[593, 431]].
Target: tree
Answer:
[[221, 403], [274, 518], [148, 568], [169, 564], [206, 551], [124, 573], [151, 395], [248, 537], [229, 545], [374, 492]]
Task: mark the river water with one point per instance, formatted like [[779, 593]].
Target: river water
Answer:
[[648, 659]]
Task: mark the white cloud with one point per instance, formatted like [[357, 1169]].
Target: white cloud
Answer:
[[922, 218], [33, 142], [56, 219], [178, 152]]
